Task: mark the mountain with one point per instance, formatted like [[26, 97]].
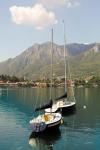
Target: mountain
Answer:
[[35, 61], [88, 62]]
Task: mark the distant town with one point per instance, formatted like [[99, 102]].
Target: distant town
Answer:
[[13, 81]]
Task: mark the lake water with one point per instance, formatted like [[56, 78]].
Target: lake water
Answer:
[[79, 131]]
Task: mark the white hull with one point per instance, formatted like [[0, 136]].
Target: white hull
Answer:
[[60, 106], [51, 120]]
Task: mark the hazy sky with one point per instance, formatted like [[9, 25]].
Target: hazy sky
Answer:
[[25, 22]]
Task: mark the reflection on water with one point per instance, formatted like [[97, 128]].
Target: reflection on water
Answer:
[[70, 94], [45, 140], [80, 130]]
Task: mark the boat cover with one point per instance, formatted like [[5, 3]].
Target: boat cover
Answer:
[[62, 96], [44, 106]]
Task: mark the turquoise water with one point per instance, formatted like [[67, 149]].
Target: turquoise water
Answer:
[[80, 130]]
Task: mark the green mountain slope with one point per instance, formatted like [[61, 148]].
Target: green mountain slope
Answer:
[[35, 61]]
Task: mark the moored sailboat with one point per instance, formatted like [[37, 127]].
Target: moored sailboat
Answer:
[[63, 103], [47, 121]]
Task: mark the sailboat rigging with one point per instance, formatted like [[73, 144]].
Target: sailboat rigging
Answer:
[[62, 103], [49, 120]]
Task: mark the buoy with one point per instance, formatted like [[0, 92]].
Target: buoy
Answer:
[[84, 106]]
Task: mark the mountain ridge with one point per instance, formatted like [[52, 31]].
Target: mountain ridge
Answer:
[[35, 61]]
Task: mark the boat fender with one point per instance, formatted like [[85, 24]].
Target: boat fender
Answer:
[[62, 121]]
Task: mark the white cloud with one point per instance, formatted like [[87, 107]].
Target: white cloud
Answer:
[[36, 15], [54, 3]]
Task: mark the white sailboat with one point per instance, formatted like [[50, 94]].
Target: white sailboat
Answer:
[[49, 120], [62, 103]]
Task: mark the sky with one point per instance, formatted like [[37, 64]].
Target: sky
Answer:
[[26, 22]]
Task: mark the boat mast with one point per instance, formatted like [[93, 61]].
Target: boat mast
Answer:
[[51, 63], [67, 66], [65, 60]]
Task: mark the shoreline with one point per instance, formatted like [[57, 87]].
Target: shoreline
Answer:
[[19, 85]]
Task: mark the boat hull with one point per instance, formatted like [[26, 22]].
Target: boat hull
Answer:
[[53, 126], [39, 127], [67, 108]]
